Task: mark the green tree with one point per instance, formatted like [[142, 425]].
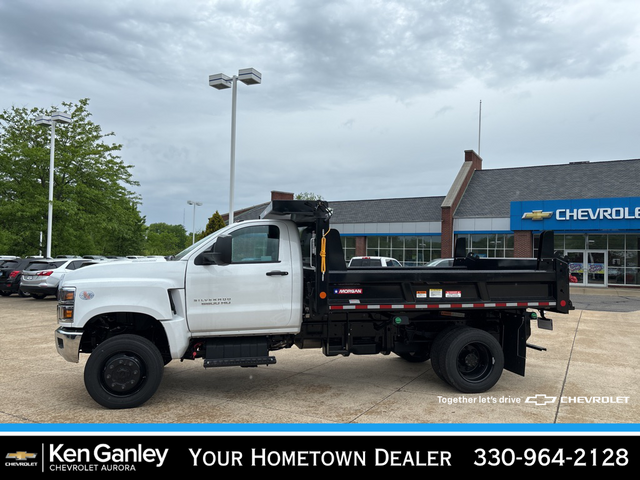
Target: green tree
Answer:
[[164, 239], [308, 196], [215, 223], [94, 210]]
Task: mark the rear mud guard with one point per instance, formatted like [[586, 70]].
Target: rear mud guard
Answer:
[[514, 343]]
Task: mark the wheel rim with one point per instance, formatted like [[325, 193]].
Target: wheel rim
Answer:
[[474, 362], [123, 374]]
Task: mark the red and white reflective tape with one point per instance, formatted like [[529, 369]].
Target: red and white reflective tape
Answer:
[[431, 306]]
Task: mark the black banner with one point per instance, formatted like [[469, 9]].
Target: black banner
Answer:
[[191, 453]]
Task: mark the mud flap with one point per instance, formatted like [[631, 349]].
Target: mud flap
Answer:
[[514, 344]]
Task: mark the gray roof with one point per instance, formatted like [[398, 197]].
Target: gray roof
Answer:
[[490, 192], [250, 213], [387, 210]]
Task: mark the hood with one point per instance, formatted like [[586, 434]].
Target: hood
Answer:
[[169, 274]]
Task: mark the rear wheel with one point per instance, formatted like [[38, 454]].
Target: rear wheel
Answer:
[[436, 348], [471, 360], [123, 372]]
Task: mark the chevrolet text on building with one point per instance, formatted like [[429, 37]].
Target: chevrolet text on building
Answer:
[[561, 214], [618, 213], [286, 284], [589, 214]]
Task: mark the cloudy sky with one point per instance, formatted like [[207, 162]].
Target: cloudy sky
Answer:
[[359, 99]]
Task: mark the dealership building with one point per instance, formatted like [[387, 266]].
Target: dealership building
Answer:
[[593, 207]]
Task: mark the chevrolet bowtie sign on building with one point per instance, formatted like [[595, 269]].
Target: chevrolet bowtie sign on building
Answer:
[[593, 214], [537, 215]]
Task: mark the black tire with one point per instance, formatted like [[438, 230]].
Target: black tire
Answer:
[[38, 296], [471, 360], [123, 372], [418, 356], [436, 348]]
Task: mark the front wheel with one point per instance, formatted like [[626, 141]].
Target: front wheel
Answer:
[[471, 360], [123, 372]]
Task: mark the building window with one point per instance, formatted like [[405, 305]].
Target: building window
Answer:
[[348, 247], [623, 253], [491, 245], [410, 250]]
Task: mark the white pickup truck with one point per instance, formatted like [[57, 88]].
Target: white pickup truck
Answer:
[[259, 286]]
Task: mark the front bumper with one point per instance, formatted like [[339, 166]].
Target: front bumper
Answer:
[[68, 343]]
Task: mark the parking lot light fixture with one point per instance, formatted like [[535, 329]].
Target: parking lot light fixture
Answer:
[[56, 117], [195, 204], [220, 81]]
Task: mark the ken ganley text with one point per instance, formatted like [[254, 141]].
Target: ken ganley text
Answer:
[[260, 457], [104, 457]]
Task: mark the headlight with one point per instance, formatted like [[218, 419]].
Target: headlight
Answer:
[[66, 301], [67, 295]]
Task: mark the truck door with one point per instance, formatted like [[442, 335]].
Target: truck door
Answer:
[[251, 294]]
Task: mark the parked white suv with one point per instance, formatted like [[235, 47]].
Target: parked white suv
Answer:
[[44, 281], [374, 262]]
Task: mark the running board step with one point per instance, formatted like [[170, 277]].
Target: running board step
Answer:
[[239, 362]]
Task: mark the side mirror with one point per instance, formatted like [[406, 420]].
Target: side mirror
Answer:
[[221, 254]]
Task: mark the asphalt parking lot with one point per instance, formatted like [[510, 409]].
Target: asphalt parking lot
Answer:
[[587, 375]]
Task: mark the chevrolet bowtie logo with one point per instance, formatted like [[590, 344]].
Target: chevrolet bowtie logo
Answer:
[[540, 399], [537, 215], [21, 455]]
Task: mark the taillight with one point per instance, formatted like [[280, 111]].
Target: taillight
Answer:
[[45, 274], [14, 274]]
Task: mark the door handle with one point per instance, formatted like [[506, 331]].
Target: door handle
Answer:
[[276, 272]]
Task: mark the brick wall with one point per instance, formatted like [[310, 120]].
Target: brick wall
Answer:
[[276, 195], [522, 244], [446, 232], [361, 246], [472, 162]]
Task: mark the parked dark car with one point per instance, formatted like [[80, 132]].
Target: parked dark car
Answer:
[[11, 274]]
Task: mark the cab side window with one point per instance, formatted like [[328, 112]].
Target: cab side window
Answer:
[[259, 244]]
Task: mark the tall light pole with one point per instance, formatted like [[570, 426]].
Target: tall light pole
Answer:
[[56, 117], [195, 204], [248, 76]]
